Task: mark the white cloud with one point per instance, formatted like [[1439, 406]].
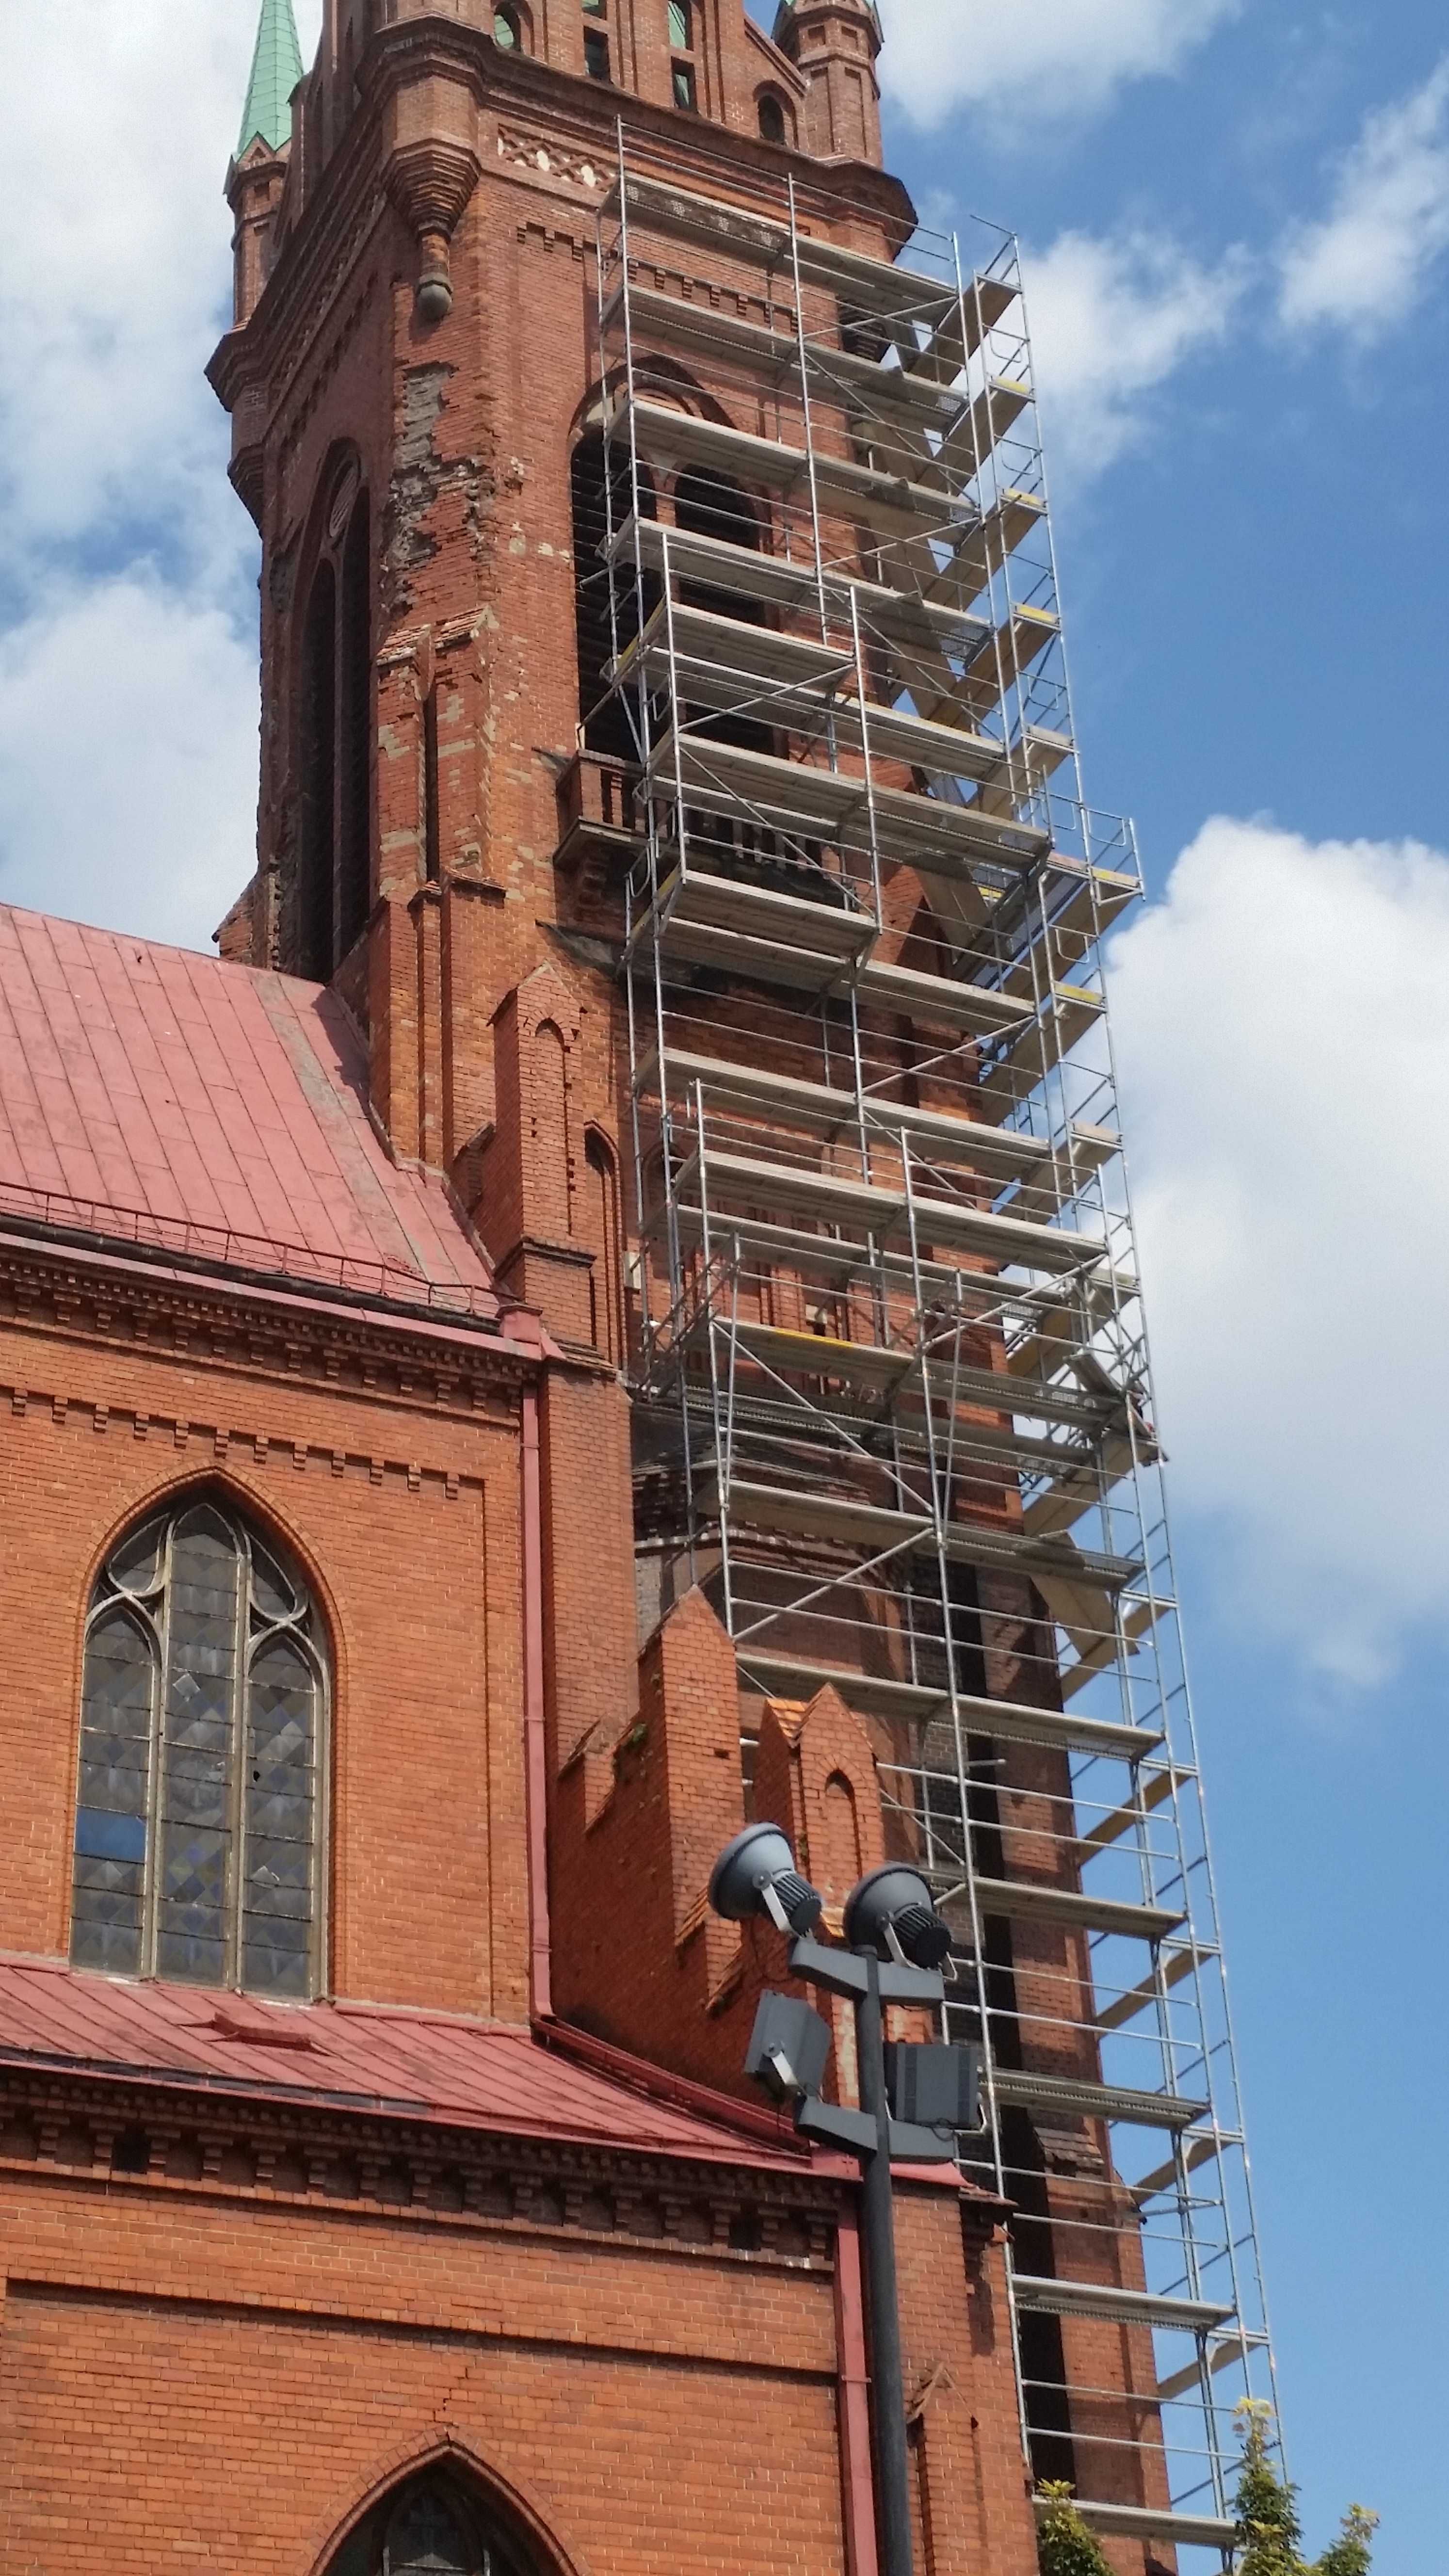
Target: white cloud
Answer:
[[1365, 265], [1066, 57], [1280, 1023], [127, 631], [128, 762], [1111, 320], [115, 125]]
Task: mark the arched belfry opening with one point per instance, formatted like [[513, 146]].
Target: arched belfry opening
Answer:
[[713, 505], [354, 711], [317, 760], [436, 2523], [603, 718], [334, 729]]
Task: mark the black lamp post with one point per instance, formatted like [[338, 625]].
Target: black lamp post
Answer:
[[897, 1946]]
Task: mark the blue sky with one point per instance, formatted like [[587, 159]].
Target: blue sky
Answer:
[[1236, 222]]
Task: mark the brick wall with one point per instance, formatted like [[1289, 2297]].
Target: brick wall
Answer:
[[397, 1494], [224, 2376]]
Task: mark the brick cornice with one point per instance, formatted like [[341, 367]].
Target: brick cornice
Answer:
[[303, 1332], [87, 2125]]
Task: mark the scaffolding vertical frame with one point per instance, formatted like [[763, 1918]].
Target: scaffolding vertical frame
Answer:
[[892, 1357]]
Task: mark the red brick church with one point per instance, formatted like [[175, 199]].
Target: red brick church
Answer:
[[393, 1634]]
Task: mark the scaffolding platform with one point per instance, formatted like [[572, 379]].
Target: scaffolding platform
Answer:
[[915, 1703], [907, 302], [1063, 2097], [808, 943], [812, 685], [807, 800], [888, 505], [877, 1210], [888, 1370], [1029, 1901], [937, 1136], [1057, 2297], [1217, 2532], [878, 1531], [801, 587]]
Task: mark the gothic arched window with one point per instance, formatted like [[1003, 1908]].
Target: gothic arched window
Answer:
[[200, 1802], [354, 727], [318, 760], [606, 1287], [434, 2527], [335, 726], [773, 125]]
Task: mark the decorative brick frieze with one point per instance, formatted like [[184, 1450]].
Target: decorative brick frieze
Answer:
[[151, 2139]]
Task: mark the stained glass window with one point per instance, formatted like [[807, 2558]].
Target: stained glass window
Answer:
[[425, 2539], [199, 1803], [437, 2526]]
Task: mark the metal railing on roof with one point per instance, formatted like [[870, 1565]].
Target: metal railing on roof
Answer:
[[259, 1258]]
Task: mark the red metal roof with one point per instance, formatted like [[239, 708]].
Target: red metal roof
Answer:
[[422, 2065], [160, 1096]]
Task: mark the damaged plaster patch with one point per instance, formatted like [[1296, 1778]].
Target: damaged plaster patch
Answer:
[[420, 478]]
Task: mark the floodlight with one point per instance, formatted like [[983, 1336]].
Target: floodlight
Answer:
[[756, 1874], [789, 2046], [892, 1912]]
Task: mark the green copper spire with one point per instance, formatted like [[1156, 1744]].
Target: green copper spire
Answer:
[[276, 70]]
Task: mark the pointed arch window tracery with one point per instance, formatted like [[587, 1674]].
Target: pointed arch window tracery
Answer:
[[200, 1805], [435, 2526]]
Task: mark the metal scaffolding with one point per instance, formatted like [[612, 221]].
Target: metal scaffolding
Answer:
[[893, 1399]]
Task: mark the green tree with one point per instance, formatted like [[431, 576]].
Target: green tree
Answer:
[[1352, 2552], [1269, 2534], [1269, 2541], [1065, 2547], [1267, 2507]]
